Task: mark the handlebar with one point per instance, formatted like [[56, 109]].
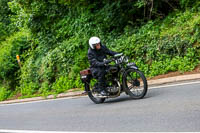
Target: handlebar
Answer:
[[119, 58], [118, 55]]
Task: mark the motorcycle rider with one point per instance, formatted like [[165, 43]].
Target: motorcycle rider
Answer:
[[96, 54]]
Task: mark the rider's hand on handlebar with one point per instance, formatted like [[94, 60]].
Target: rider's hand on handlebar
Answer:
[[106, 62]]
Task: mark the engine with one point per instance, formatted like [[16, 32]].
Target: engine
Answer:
[[114, 88]]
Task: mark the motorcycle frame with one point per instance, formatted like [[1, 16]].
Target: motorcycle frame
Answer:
[[121, 74]]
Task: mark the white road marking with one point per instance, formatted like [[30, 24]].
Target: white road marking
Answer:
[[43, 100], [180, 84], [27, 131], [32, 131], [156, 87]]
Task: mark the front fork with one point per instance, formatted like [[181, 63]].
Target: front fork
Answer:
[[129, 66]]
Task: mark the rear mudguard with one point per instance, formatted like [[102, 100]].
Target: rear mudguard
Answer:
[[86, 81], [86, 86]]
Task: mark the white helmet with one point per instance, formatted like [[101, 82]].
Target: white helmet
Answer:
[[93, 41]]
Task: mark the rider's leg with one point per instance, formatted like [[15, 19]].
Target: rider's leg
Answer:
[[102, 82]]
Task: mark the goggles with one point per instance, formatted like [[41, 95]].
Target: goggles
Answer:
[[96, 44]]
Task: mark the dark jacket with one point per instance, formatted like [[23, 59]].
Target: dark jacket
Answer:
[[96, 57]]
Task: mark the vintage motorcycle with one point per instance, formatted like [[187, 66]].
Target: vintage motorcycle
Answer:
[[121, 76]]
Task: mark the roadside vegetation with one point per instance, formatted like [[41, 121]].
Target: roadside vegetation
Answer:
[[51, 38]]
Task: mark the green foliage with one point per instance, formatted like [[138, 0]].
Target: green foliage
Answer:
[[4, 93], [6, 27], [51, 37], [9, 67], [62, 84], [45, 89], [158, 44], [189, 3], [29, 89]]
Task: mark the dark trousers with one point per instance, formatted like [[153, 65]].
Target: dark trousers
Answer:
[[99, 74]]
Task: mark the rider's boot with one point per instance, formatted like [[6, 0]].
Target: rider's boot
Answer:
[[102, 89], [104, 93]]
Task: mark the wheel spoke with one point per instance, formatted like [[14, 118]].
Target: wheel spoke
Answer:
[[130, 86], [131, 77], [135, 83], [93, 95]]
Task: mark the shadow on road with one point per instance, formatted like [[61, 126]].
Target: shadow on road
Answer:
[[124, 98], [118, 99]]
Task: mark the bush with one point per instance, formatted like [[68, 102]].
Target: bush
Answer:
[[51, 38], [158, 44], [28, 89], [62, 84], [9, 68], [4, 93]]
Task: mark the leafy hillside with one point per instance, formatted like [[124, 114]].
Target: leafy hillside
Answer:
[[51, 37]]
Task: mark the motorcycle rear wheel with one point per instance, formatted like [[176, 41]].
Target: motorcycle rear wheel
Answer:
[[91, 93], [135, 83]]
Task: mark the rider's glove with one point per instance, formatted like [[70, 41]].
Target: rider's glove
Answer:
[[106, 62]]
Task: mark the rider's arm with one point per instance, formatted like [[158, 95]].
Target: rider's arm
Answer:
[[109, 52], [93, 61]]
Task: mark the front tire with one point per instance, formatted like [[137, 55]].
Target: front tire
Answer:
[[135, 83]]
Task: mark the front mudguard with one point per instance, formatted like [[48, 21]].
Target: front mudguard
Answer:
[[132, 65]]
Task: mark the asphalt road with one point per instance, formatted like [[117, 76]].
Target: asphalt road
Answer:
[[173, 108]]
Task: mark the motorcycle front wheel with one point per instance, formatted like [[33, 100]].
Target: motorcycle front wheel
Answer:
[[135, 83], [92, 94]]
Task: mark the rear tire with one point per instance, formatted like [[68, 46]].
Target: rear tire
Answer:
[[135, 83], [91, 95]]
